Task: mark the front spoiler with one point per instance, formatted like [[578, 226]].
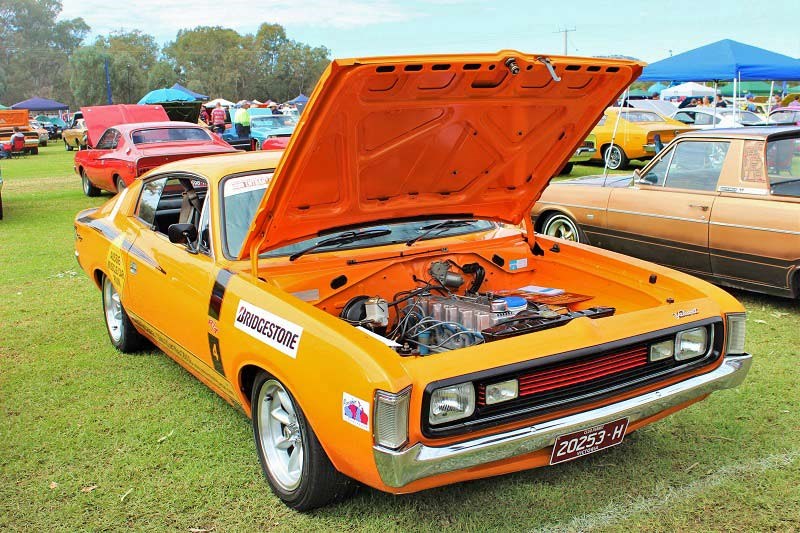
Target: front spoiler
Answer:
[[398, 468]]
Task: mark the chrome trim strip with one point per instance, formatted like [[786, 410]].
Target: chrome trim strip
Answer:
[[573, 205], [727, 225], [669, 217], [399, 468]]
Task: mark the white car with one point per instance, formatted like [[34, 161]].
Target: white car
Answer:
[[720, 117]]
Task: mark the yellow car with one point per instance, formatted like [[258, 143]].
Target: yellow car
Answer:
[[367, 299], [640, 135], [76, 135]]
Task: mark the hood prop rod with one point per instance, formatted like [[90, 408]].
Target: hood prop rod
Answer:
[[550, 69]]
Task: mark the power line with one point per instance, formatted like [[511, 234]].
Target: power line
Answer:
[[565, 31]]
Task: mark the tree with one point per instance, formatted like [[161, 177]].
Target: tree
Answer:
[[87, 75], [36, 48], [162, 74]]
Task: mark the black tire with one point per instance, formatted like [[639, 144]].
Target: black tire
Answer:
[[1, 206], [319, 482], [615, 157], [563, 226], [120, 183], [35, 151], [567, 169], [67, 146], [88, 187], [121, 332]]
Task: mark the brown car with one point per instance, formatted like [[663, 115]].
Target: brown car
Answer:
[[721, 204]]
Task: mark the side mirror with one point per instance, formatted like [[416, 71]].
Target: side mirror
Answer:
[[182, 234]]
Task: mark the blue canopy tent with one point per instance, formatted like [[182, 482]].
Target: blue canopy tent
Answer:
[[40, 104], [299, 99], [656, 88], [196, 96], [722, 61], [159, 96]]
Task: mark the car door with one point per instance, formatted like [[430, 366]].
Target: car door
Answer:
[[171, 286], [755, 227], [664, 217], [96, 165]]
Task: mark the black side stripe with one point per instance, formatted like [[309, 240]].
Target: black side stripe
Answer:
[[218, 293]]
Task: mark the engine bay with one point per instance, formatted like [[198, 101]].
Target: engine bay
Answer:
[[450, 311]]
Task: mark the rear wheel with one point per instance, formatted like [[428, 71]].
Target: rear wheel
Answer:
[[563, 227], [88, 188], [296, 467], [120, 184], [123, 335], [35, 151], [567, 169], [615, 157]]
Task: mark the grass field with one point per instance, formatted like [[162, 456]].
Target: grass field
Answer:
[[93, 440]]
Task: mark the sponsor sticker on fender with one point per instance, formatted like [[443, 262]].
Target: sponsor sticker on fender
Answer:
[[355, 411], [115, 264], [270, 329]]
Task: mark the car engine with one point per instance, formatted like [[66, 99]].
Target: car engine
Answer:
[[436, 318]]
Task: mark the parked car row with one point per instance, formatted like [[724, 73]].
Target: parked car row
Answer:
[[375, 297]]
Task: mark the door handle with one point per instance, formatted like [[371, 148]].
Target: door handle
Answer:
[[699, 206]]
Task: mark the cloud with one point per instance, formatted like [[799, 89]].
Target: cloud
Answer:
[[163, 19]]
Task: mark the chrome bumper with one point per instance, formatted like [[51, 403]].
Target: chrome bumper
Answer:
[[649, 148], [398, 468]]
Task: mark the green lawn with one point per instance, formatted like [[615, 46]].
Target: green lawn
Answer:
[[93, 440]]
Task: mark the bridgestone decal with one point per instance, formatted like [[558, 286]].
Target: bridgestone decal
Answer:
[[270, 329]]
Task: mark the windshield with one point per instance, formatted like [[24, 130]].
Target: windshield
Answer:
[[163, 135], [641, 116], [273, 122], [241, 196]]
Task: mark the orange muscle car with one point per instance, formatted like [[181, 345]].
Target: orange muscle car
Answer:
[[640, 134], [720, 204], [362, 299]]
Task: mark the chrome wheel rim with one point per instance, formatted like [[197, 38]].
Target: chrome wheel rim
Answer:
[[113, 308], [120, 185], [613, 157], [563, 228], [85, 181], [280, 435]]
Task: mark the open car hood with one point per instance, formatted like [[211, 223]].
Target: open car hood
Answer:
[[13, 117], [432, 136], [99, 118]]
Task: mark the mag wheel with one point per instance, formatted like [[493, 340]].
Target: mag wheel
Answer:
[[616, 158], [563, 227], [294, 463], [88, 189], [123, 335]]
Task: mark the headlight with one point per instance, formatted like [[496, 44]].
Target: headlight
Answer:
[[452, 403], [691, 343], [502, 392], [662, 350], [390, 421], [736, 328]]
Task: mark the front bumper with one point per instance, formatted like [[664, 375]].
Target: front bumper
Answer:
[[582, 155], [398, 468]]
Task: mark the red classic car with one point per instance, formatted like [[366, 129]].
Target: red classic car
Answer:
[[125, 141]]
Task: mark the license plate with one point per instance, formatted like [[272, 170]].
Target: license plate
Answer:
[[586, 441]]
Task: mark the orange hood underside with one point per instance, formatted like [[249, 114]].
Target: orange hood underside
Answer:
[[101, 117], [432, 136]]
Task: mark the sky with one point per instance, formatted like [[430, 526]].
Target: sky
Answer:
[[359, 28]]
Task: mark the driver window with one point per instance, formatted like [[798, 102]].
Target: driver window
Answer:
[[172, 200], [107, 140], [696, 165], [657, 173]]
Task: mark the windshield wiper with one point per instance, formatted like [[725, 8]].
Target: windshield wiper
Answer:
[[347, 237], [439, 228]]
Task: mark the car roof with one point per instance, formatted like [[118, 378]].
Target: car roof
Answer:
[[751, 132], [163, 124], [216, 167]]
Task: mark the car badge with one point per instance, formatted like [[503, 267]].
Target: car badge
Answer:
[[683, 313]]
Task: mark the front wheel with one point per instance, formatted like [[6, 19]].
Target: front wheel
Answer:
[[296, 467], [615, 157], [123, 335], [563, 227], [88, 187], [67, 146]]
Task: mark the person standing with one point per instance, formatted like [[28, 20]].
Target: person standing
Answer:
[[795, 102], [204, 116], [218, 119], [241, 120], [719, 102]]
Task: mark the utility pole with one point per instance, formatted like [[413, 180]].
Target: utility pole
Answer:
[[565, 31]]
